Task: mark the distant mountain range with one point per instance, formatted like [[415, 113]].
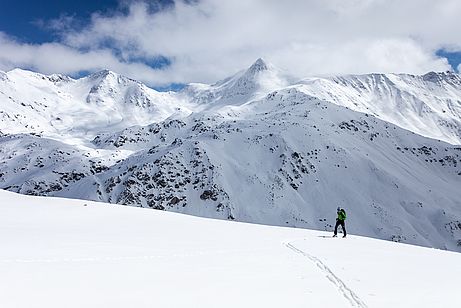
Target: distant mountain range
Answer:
[[258, 147]]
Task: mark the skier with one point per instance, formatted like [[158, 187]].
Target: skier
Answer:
[[340, 221]]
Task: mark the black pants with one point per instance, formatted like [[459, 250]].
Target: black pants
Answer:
[[342, 224]]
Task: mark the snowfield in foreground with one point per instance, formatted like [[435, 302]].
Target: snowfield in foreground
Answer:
[[73, 253]]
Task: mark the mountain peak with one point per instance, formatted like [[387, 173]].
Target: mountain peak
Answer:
[[102, 74], [259, 66], [106, 75], [259, 77], [22, 72], [59, 78], [447, 76]]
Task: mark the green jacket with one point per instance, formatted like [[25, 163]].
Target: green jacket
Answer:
[[342, 215]]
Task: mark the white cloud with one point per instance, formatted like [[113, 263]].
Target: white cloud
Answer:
[[212, 39], [58, 58]]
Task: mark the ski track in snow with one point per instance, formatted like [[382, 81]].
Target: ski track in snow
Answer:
[[350, 295]]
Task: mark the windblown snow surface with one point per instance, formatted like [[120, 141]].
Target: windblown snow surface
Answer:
[[73, 253], [256, 147]]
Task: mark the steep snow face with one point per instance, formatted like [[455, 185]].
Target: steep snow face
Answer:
[[57, 106], [253, 149], [96, 255], [429, 105]]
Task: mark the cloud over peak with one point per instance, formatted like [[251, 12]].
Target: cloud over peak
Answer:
[[210, 39]]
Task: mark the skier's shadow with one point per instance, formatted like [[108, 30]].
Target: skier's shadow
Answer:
[[324, 236]]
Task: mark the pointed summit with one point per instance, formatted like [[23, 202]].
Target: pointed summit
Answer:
[[259, 66], [254, 82]]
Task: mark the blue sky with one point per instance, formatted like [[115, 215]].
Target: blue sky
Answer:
[[20, 18], [167, 43], [27, 22], [454, 58]]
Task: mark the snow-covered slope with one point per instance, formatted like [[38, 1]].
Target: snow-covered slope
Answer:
[[429, 105], [38, 166], [71, 253], [249, 148]]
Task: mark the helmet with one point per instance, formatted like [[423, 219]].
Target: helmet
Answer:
[[338, 209]]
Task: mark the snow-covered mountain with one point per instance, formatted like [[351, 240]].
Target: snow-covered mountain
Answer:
[[250, 84], [255, 147], [429, 105], [75, 253], [58, 106]]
